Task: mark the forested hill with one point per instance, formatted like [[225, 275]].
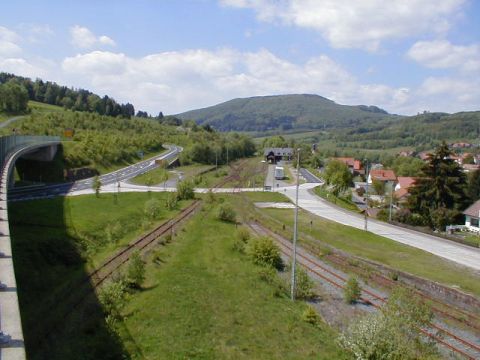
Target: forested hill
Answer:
[[285, 112], [15, 91]]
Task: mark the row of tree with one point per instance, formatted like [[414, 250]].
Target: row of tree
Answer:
[[75, 99]]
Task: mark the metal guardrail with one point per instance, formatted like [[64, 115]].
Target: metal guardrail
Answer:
[[9, 144]]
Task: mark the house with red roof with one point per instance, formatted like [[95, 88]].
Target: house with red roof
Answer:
[[387, 176], [401, 189], [355, 166]]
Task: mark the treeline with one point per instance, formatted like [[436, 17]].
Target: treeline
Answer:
[[74, 99], [101, 141]]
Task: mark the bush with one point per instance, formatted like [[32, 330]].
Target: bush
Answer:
[[136, 270], [352, 291], [303, 285], [172, 200], [113, 297], [210, 199], [152, 208], [360, 191], [270, 276], [383, 215], [241, 239], [263, 251], [185, 190], [310, 316], [226, 213]]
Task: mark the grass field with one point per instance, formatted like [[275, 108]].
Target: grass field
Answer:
[[204, 300], [253, 173], [363, 244], [55, 242], [188, 172]]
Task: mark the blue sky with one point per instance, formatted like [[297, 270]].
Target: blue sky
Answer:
[[406, 56]]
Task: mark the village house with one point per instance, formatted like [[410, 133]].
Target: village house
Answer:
[[355, 166], [401, 189], [386, 176], [472, 216], [406, 153]]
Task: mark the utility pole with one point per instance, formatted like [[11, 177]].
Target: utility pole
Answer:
[[366, 207], [295, 231], [391, 200]]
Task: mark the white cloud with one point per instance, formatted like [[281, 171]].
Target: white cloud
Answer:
[[358, 24], [85, 39], [177, 81], [442, 54], [8, 43]]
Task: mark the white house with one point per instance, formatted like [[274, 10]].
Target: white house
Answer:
[[472, 216]]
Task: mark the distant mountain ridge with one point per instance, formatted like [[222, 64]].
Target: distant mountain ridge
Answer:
[[284, 112]]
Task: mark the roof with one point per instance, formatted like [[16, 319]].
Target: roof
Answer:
[[278, 151], [383, 175], [403, 192], [357, 165], [349, 161], [473, 210], [470, 167], [405, 181]]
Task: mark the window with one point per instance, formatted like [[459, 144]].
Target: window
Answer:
[[474, 222]]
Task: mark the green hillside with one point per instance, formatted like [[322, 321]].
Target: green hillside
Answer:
[[285, 112]]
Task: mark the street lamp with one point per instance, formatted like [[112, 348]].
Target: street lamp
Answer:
[[295, 230]]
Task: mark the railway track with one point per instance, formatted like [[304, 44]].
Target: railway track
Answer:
[[436, 331], [458, 315]]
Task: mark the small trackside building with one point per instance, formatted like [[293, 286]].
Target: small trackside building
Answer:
[[472, 216], [274, 155]]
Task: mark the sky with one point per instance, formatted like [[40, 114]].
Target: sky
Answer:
[[406, 56]]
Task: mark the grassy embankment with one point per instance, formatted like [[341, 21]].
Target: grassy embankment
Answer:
[[204, 300], [155, 176], [340, 201], [55, 243], [363, 244]]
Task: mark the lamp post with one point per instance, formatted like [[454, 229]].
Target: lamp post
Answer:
[[366, 207], [295, 231]]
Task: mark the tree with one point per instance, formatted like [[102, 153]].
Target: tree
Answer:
[[136, 270], [441, 185], [185, 190], [473, 186], [379, 187], [337, 175], [97, 184]]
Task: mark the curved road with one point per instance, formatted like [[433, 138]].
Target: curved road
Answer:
[[9, 121], [107, 179]]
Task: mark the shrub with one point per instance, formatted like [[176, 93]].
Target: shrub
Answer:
[[226, 213], [270, 276], [172, 200], [113, 297], [310, 316], [360, 191], [241, 239], [352, 291], [185, 190], [113, 231], [152, 208], [210, 198], [383, 215], [303, 284], [136, 270], [263, 251]]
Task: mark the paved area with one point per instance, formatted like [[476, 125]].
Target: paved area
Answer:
[[461, 254], [275, 205], [9, 121], [270, 180], [309, 176]]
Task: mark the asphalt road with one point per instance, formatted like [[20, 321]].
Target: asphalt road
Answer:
[[309, 177], [461, 254], [110, 178], [9, 121]]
